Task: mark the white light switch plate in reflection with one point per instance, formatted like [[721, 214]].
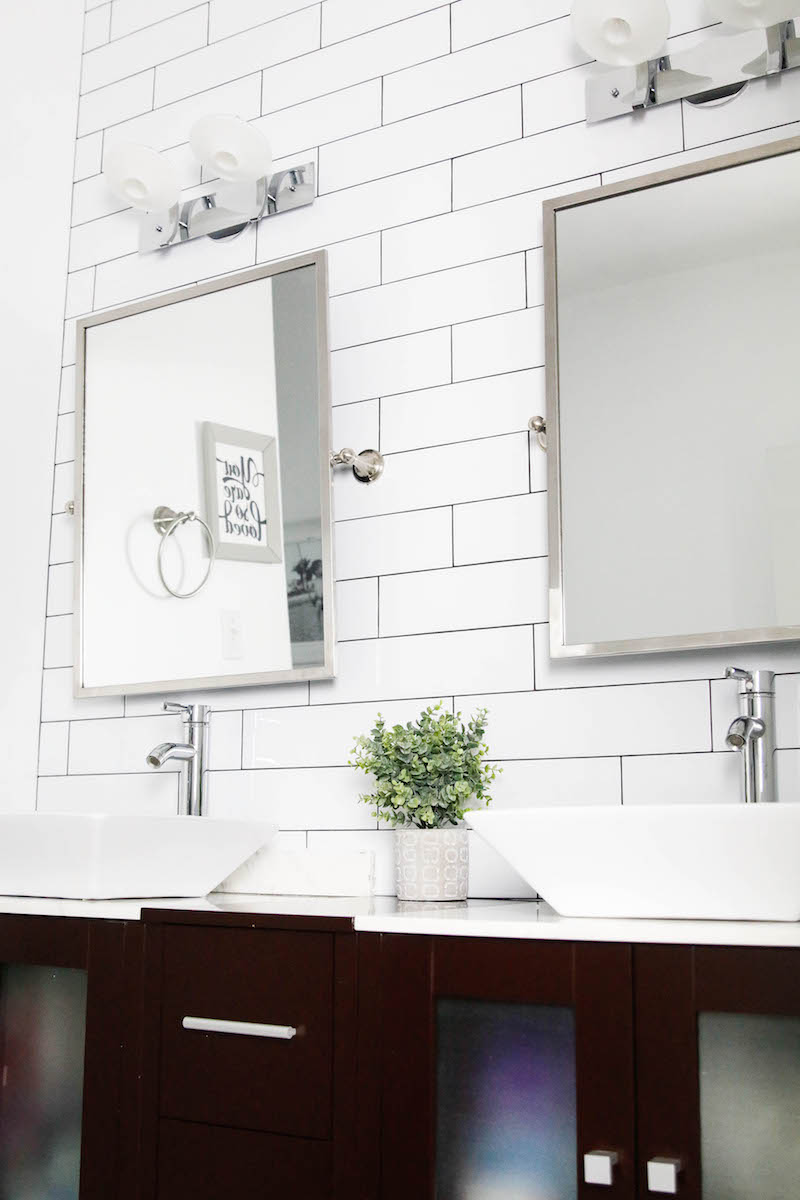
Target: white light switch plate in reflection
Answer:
[[232, 635], [276, 872]]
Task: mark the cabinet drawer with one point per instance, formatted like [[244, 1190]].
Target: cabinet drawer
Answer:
[[243, 1074], [201, 1162]]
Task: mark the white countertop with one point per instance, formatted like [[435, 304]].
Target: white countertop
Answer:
[[130, 910], [535, 919], [475, 918]]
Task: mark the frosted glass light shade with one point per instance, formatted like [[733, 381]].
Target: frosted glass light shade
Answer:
[[621, 32], [753, 14], [141, 177], [231, 148]]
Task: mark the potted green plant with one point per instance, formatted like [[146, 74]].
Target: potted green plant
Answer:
[[427, 774]]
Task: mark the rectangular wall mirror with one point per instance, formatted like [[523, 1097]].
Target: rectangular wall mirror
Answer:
[[203, 421], [673, 419]]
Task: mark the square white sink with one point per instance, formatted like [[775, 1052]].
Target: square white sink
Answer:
[[89, 856], [735, 862]]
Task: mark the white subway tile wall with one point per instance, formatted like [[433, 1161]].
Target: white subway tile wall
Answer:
[[438, 129]]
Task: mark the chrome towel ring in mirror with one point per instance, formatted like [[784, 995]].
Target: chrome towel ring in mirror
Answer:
[[166, 521]]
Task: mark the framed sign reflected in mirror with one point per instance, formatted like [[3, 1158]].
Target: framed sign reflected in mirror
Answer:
[[242, 493], [203, 487], [672, 310]]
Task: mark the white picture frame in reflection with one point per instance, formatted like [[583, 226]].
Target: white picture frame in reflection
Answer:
[[242, 489]]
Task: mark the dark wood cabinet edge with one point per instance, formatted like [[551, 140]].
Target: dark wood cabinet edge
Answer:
[[149, 1061], [344, 1079], [45, 941], [246, 920], [369, 1079], [107, 1034], [605, 1061], [739, 979]]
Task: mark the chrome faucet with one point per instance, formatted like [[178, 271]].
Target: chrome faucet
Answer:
[[753, 733], [193, 752]]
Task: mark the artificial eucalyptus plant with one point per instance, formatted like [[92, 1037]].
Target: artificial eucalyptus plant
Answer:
[[429, 772]]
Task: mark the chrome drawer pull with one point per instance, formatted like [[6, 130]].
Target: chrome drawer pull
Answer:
[[283, 1033]]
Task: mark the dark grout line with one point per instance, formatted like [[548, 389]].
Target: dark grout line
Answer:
[[281, 62], [120, 37], [429, 508], [198, 50]]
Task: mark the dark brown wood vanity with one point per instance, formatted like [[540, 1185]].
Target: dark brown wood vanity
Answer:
[[397, 1056], [228, 1114]]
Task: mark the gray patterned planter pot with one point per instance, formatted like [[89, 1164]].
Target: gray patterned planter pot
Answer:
[[431, 864]]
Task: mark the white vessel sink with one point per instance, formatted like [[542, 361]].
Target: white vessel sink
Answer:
[[87, 856], [732, 862]]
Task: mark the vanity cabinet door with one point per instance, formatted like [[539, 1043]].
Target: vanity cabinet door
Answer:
[[499, 1066], [69, 1027], [201, 1162], [247, 1029], [718, 1070]]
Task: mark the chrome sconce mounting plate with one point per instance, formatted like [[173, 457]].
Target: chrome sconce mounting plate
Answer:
[[715, 70], [367, 466], [227, 210]]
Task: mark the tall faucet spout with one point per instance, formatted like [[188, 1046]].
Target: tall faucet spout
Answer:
[[744, 730], [193, 753], [752, 733], [167, 750]]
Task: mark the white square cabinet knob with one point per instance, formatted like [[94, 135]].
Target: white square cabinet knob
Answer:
[[598, 1167], [662, 1175]]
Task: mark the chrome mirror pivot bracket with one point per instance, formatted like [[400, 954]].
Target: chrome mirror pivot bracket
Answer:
[[367, 466], [538, 425]]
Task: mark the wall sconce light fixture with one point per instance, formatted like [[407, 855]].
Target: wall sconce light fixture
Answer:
[[236, 153], [631, 36], [624, 33]]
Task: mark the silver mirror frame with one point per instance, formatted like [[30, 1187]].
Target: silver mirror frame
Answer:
[[319, 260], [550, 210]]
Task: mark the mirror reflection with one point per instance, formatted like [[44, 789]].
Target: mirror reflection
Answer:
[[678, 456], [205, 522]]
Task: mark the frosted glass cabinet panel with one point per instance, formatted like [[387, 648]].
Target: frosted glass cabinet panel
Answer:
[[506, 1102], [42, 1027], [749, 1106]]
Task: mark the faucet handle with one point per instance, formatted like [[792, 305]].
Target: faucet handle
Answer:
[[195, 714], [740, 673]]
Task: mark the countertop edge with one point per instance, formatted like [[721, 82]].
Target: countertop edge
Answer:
[[511, 919], [534, 921]]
